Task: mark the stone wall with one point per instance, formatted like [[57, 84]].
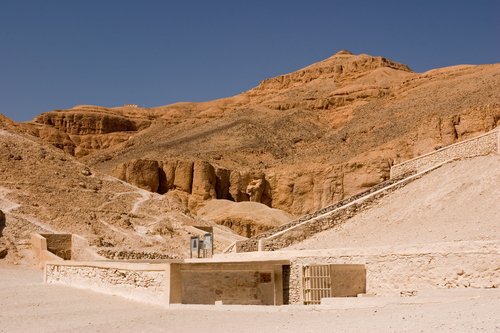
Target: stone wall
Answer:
[[251, 244], [40, 251], [485, 144], [406, 271], [175, 282], [141, 282], [301, 231]]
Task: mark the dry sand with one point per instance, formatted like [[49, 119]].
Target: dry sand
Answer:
[[27, 305], [457, 202]]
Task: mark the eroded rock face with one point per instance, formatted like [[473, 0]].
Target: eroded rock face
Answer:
[[83, 129], [183, 176], [436, 132], [288, 190], [200, 179], [83, 123], [141, 173], [204, 180]]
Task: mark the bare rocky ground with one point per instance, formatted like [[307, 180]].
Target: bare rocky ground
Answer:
[[28, 306]]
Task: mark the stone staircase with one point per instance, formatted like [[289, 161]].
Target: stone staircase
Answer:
[[401, 175]]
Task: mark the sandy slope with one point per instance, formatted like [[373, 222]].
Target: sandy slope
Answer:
[[28, 306], [246, 218], [459, 201]]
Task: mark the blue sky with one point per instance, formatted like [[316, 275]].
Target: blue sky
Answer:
[[56, 54]]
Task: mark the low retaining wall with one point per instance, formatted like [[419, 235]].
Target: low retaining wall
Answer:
[[260, 278], [138, 281], [485, 144], [40, 250]]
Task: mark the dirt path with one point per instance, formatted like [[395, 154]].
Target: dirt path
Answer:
[[28, 306]]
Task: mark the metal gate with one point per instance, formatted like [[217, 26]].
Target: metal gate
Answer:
[[316, 282]]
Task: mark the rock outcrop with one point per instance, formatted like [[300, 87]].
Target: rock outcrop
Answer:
[[200, 179], [289, 190], [141, 173], [85, 128]]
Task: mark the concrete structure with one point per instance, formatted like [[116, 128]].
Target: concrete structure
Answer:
[[397, 270], [275, 278], [332, 280], [254, 283], [58, 247], [176, 282]]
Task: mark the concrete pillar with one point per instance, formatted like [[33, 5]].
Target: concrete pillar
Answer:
[[260, 245], [173, 282], [278, 285]]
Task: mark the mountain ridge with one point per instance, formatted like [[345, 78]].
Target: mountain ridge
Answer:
[[313, 136]]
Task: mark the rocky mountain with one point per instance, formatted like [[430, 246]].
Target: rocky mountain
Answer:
[[296, 142]]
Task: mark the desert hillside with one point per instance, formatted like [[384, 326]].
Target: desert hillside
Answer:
[[137, 180], [457, 202], [43, 189], [296, 142]]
